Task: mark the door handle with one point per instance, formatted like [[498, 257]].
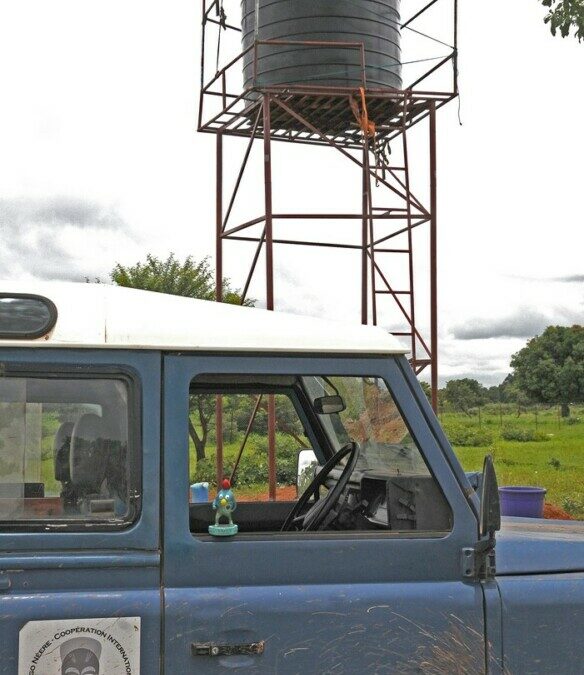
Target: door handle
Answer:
[[209, 649], [5, 582]]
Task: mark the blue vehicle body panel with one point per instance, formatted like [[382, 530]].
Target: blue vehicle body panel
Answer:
[[493, 627], [534, 546], [543, 623], [314, 628], [58, 575], [322, 602], [313, 598]]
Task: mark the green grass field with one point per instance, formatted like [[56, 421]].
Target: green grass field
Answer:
[[556, 463]]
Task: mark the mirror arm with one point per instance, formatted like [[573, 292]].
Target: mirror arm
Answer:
[[479, 562]]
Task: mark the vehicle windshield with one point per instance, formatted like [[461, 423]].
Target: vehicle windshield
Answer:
[[371, 419]]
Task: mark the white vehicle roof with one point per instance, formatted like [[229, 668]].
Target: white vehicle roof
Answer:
[[100, 315]]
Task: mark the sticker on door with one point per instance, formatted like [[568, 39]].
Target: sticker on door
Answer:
[[109, 646]]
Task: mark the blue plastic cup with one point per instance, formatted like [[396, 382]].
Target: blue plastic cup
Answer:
[[522, 500], [199, 493]]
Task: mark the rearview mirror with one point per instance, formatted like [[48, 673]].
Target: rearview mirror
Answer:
[[327, 405], [307, 462], [490, 515]]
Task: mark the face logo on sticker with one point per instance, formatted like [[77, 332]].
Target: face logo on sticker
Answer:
[[84, 646], [80, 656]]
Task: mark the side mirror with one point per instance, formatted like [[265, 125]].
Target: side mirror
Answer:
[[327, 405], [490, 515], [305, 466]]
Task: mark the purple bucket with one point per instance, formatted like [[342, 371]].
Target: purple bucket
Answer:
[[523, 501]]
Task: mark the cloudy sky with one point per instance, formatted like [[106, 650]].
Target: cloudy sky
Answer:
[[100, 163]]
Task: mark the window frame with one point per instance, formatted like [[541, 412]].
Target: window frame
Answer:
[[129, 376], [199, 561], [45, 330], [301, 401]]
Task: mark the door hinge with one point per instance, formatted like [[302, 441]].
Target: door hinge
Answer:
[[479, 561], [209, 649]]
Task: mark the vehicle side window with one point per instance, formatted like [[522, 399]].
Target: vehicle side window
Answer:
[[65, 451], [387, 485], [246, 442]]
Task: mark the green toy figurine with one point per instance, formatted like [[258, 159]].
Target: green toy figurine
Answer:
[[224, 504]]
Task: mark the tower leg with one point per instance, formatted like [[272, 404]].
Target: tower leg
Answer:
[[269, 286], [219, 298], [365, 234], [219, 220], [268, 204], [433, 261]]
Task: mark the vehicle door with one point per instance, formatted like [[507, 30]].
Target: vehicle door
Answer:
[[79, 499], [384, 598]]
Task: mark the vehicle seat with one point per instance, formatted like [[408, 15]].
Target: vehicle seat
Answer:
[[91, 444], [61, 452]]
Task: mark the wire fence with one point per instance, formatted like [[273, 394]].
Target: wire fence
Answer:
[[509, 414]]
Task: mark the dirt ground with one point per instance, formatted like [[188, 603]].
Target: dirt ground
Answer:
[[554, 512], [283, 494]]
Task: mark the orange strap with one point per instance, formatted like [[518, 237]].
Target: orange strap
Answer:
[[362, 116]]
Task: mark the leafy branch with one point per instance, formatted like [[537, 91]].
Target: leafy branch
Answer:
[[565, 15]]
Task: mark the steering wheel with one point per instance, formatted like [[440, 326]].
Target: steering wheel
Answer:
[[316, 516]]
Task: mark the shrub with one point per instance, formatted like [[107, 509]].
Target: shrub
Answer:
[[523, 435], [573, 505], [508, 462], [205, 472], [253, 466], [285, 445], [468, 436], [497, 409], [570, 421], [555, 463]]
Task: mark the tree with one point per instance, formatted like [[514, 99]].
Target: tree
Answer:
[[204, 407], [427, 390], [514, 395], [287, 420], [509, 393], [550, 368], [189, 279], [565, 15], [464, 394], [495, 394]]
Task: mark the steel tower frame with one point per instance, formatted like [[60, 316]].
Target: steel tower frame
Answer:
[[317, 115]]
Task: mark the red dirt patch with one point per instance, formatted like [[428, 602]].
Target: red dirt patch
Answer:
[[553, 512], [283, 494]]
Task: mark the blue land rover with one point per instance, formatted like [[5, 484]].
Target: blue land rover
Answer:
[[372, 553]]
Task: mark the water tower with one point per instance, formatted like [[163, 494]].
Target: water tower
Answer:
[[337, 74]]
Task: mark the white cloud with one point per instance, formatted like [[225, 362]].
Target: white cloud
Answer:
[[57, 238], [525, 322]]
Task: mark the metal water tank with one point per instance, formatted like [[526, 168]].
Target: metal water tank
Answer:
[[375, 23]]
